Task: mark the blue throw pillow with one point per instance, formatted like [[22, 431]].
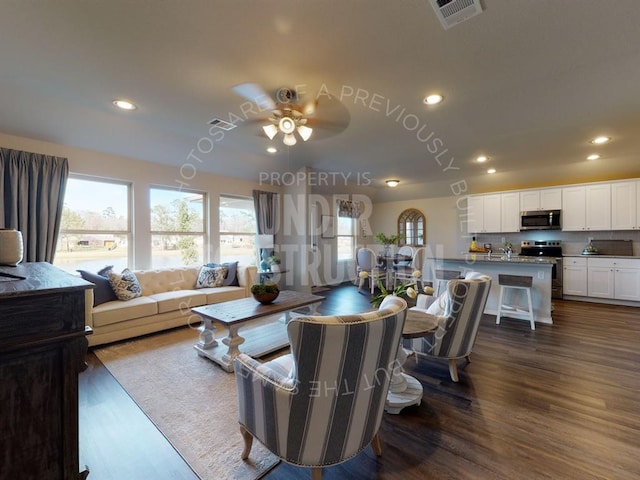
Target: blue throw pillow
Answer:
[[231, 279], [103, 292]]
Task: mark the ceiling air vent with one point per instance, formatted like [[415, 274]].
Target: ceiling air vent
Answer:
[[452, 12], [221, 124]]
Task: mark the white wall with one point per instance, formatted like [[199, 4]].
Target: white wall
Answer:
[[445, 222], [142, 175]]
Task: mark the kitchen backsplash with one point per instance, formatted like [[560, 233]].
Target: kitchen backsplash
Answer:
[[572, 242]]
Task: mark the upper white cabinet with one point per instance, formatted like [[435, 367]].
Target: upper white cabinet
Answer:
[[545, 199], [484, 213], [625, 202], [510, 212], [586, 207]]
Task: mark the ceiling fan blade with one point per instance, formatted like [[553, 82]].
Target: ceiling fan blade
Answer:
[[256, 94]]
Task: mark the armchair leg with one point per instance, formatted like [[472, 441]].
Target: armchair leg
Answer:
[[453, 369], [248, 442], [376, 444], [316, 474], [360, 284], [468, 358]]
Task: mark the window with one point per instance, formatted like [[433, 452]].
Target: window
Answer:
[[237, 230], [95, 230], [346, 238], [177, 227], [411, 224]]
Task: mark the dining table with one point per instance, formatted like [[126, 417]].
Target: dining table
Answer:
[[388, 262]]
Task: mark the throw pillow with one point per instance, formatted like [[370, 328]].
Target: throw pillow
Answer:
[[440, 304], [231, 278], [125, 285], [103, 292], [210, 277]]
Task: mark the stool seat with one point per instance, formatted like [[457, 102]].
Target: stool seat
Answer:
[[510, 284]]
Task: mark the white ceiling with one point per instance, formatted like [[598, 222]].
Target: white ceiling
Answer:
[[526, 82]]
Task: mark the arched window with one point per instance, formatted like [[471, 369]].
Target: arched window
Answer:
[[411, 225]]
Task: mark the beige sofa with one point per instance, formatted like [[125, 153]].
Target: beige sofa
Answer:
[[168, 295]]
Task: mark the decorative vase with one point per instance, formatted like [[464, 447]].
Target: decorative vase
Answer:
[[275, 268], [11, 248]]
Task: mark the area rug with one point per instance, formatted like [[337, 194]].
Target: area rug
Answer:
[[191, 400]]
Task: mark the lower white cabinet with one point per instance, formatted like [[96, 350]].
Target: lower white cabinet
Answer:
[[613, 278], [574, 276]]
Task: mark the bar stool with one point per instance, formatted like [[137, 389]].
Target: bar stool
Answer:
[[515, 282], [442, 279]]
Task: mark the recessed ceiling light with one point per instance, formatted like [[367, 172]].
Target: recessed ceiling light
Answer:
[[482, 158], [600, 140], [392, 183], [124, 105], [595, 156], [433, 99], [272, 149], [491, 170]]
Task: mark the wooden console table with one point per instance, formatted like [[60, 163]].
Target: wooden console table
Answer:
[[236, 314], [42, 349]]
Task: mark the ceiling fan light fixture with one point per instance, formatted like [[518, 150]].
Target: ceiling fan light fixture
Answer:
[[392, 183], [270, 130], [289, 140], [305, 132], [287, 125]]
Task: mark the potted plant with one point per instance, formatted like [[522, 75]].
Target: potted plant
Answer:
[[274, 262], [265, 293], [387, 241]]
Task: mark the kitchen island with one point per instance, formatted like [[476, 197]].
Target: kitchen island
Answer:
[[540, 269]]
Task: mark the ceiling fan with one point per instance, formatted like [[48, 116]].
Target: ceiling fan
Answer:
[[292, 117]]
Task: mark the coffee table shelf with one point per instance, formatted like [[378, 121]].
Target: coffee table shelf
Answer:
[[260, 335]]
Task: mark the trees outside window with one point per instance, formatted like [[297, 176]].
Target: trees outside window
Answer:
[[95, 230], [177, 227], [237, 229]]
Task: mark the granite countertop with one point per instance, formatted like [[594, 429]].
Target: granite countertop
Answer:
[[599, 256], [495, 258]]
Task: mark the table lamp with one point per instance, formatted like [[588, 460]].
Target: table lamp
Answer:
[[264, 242]]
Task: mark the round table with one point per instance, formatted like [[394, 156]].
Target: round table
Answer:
[[405, 390]]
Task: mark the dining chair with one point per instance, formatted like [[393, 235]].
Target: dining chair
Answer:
[[407, 273], [367, 267]]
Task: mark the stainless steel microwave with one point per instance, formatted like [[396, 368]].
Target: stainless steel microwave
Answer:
[[540, 220]]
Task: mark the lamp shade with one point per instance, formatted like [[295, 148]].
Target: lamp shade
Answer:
[[270, 130], [264, 241], [305, 132]]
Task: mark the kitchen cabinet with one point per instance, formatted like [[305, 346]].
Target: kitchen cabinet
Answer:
[[616, 278], [484, 213], [586, 207], [574, 276], [625, 205], [544, 199], [510, 212]]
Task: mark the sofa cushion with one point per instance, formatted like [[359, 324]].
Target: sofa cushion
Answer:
[[231, 278], [182, 300], [210, 276], [223, 294], [117, 311], [103, 292], [167, 279], [125, 285]]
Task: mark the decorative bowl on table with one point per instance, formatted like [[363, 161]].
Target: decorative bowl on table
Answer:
[[265, 293]]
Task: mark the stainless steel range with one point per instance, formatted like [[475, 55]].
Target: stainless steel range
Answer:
[[546, 248]]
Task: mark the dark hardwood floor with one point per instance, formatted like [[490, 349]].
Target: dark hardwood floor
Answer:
[[560, 402]]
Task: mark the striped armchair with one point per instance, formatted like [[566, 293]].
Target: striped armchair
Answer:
[[322, 404], [458, 312]]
